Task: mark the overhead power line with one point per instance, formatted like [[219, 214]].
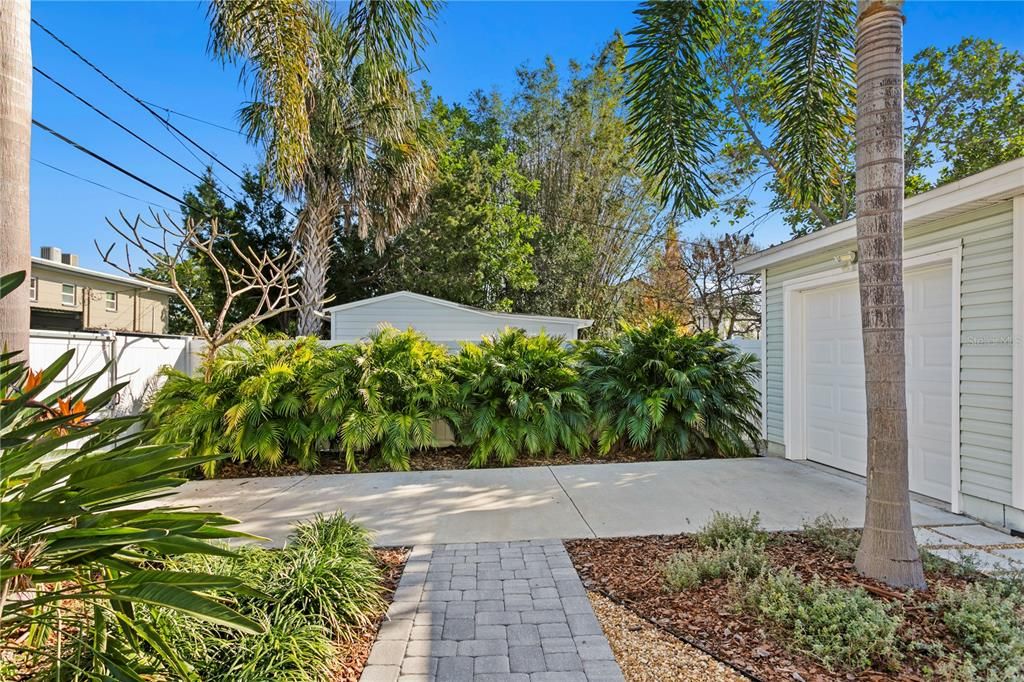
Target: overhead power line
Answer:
[[152, 112], [117, 123], [195, 118], [108, 162], [176, 132], [98, 184]]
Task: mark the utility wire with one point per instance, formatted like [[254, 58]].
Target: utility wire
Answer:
[[196, 118], [98, 184], [140, 102], [108, 162], [175, 131], [117, 123]]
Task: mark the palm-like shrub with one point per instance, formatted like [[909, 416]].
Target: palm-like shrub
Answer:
[[383, 395], [81, 560], [653, 386], [255, 405], [520, 393]]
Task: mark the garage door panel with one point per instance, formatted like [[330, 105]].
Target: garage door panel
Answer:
[[835, 407]]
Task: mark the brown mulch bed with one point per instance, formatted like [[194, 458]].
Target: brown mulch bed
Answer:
[[630, 571], [441, 459], [352, 655]]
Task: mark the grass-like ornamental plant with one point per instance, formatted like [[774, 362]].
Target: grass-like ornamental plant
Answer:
[[520, 393], [845, 629], [254, 407], [318, 590], [653, 386], [78, 578], [382, 396]]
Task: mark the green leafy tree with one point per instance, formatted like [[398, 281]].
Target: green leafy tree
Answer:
[[810, 82], [365, 164], [472, 244], [964, 110], [598, 216]]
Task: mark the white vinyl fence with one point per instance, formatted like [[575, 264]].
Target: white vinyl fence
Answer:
[[133, 359], [138, 359]]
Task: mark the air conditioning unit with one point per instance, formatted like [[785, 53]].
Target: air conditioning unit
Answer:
[[50, 253], [69, 259]]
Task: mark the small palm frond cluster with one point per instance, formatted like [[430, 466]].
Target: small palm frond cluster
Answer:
[[520, 393], [655, 387], [385, 394], [254, 407], [651, 387]]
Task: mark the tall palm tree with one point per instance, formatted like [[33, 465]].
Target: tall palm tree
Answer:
[[15, 143], [673, 112], [333, 107]]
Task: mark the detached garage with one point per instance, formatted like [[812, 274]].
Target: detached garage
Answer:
[[964, 287], [442, 321]]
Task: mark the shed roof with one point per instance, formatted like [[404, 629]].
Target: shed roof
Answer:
[[577, 322], [986, 188]]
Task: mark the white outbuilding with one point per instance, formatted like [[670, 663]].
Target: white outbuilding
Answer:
[[442, 321]]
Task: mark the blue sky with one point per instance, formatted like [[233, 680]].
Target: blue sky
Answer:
[[158, 51]]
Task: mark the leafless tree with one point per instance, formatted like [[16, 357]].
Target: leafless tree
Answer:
[[165, 244], [719, 299]]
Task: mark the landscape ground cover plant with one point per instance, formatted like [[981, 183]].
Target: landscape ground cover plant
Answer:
[[279, 406], [808, 612], [319, 599]]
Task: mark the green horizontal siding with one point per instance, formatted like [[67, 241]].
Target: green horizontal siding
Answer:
[[986, 351]]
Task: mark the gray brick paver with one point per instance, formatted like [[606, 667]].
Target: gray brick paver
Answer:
[[491, 612]]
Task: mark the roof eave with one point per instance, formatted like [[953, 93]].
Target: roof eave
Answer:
[[993, 185]]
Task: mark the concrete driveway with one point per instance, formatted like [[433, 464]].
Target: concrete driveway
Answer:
[[574, 501]]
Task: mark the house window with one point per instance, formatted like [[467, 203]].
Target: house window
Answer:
[[69, 294], [111, 301], [33, 288]]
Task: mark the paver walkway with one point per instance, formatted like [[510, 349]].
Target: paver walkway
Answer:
[[511, 611]]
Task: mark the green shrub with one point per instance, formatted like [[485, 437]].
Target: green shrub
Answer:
[[729, 529], [520, 393], [844, 629], [831, 534], [76, 589], [737, 560], [655, 387], [254, 406], [985, 620], [382, 396], [322, 587]]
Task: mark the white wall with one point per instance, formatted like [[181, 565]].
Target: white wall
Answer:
[[442, 324], [135, 359]]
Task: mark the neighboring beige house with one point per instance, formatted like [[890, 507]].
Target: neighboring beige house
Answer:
[[70, 298]]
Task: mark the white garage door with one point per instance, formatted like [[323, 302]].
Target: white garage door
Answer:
[[834, 371]]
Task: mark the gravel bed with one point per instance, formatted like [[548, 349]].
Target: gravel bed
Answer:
[[648, 654]]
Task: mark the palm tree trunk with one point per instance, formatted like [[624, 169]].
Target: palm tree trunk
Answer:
[[15, 143], [887, 550], [316, 231]]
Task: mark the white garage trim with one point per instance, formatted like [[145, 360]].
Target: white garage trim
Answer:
[[764, 357], [1017, 456], [794, 371]]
